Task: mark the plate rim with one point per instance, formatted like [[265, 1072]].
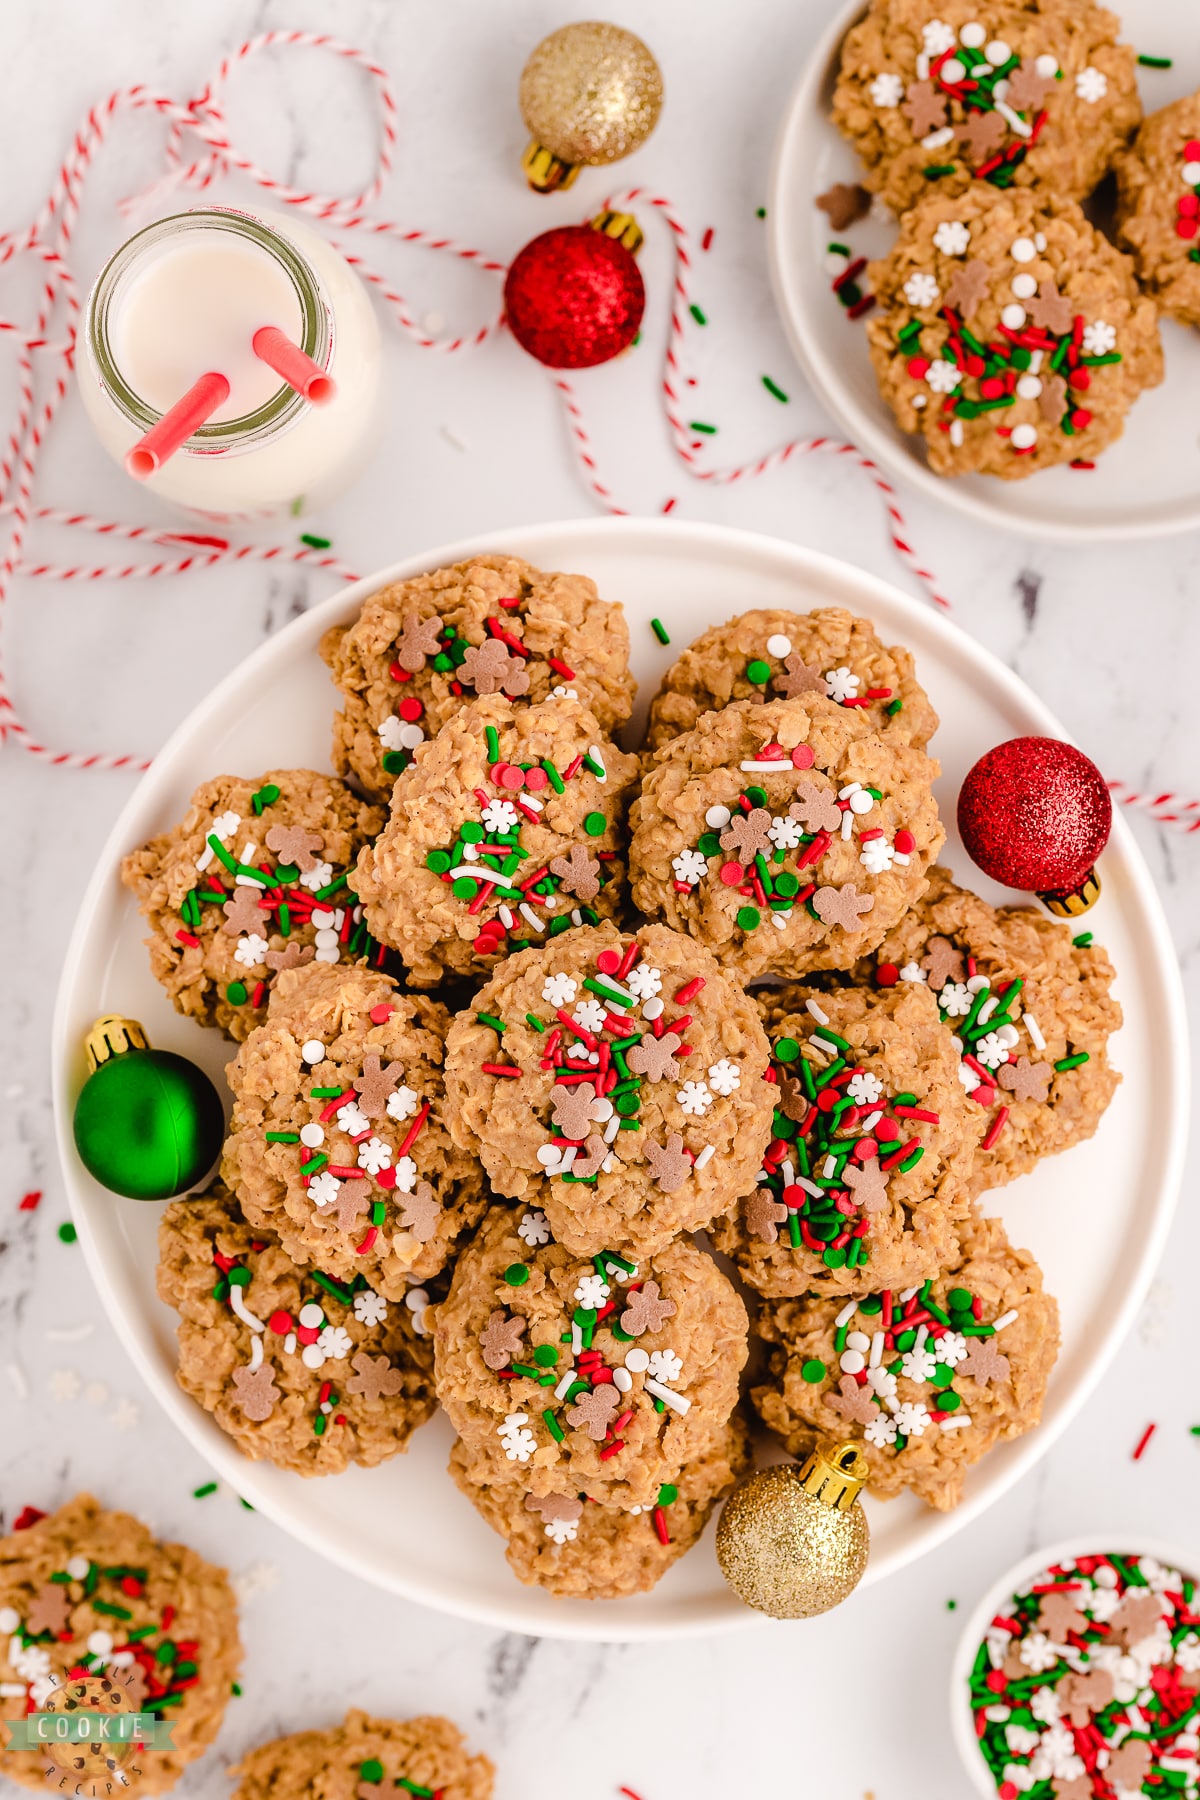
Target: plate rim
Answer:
[[815, 366], [257, 1480]]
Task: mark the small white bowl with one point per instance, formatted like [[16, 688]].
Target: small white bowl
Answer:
[[962, 1722]]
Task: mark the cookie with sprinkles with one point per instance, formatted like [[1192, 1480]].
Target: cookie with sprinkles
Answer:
[[1158, 207], [615, 1082], [1009, 333], [867, 1174], [338, 1140], [426, 1757], [1087, 1682], [603, 1376], [1030, 1010], [252, 881], [771, 654], [581, 1550], [421, 649], [784, 836], [508, 828], [303, 1371], [926, 1379], [940, 95], [93, 1594]]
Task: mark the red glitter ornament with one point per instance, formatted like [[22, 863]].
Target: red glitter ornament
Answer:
[[574, 297], [1035, 813]]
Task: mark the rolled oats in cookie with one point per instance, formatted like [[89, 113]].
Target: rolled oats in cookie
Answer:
[[771, 654], [1030, 1009], [308, 1373], [616, 1083], [579, 1550], [509, 828], [940, 95], [575, 1375], [423, 648], [1009, 333], [1158, 207], [338, 1140], [252, 881], [783, 837], [88, 1590], [867, 1175], [363, 1756], [926, 1380]]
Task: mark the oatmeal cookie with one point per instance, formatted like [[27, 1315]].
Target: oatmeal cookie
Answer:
[[783, 837], [583, 1551], [1009, 333], [252, 881], [338, 1139], [508, 827], [420, 650], [93, 1590], [867, 1175], [364, 1755], [601, 1376], [1158, 207], [772, 654], [925, 1385], [309, 1375], [616, 1082], [937, 95], [1032, 1009]]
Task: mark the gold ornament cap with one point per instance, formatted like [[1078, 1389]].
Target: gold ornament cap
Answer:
[[590, 93], [793, 1541], [1079, 900], [622, 226], [112, 1036], [835, 1477]]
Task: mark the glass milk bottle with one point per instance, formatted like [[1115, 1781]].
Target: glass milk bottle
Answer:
[[185, 296]]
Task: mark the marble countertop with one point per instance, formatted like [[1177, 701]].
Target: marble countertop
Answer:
[[854, 1705]]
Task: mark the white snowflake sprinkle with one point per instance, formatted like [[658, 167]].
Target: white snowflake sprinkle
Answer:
[[559, 989], [1099, 338], [913, 972], [785, 834], [352, 1120], [592, 1290], [918, 1365], [370, 1308], [66, 1384], [250, 950], [936, 37], [406, 1175], [402, 1103], [943, 377], [694, 1097], [519, 1443], [881, 1431], [921, 290], [500, 815], [912, 1418], [689, 866], [841, 684], [534, 1228], [644, 981], [877, 856], [1037, 1653], [955, 999], [1044, 1704], [1091, 84], [374, 1156], [590, 1015], [324, 1188], [864, 1088], [991, 1051], [951, 1348], [665, 1366], [562, 1531], [319, 876], [724, 1077], [952, 237], [335, 1343], [126, 1415], [886, 90]]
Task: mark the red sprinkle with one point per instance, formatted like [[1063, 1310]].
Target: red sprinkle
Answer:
[[30, 1201], [887, 975], [28, 1515], [995, 1128], [185, 937], [684, 994], [1143, 1441], [382, 1013], [501, 1069]]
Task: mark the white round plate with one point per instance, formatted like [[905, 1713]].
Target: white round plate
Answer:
[[1146, 485], [1096, 1217]]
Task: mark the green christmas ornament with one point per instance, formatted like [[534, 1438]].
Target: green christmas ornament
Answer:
[[148, 1123]]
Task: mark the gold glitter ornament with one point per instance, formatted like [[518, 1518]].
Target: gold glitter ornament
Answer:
[[590, 93], [793, 1540]]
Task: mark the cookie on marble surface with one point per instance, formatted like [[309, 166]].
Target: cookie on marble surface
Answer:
[[1009, 333], [601, 1375], [615, 1081], [509, 827], [937, 95], [1031, 1007], [868, 1174], [311, 1375], [784, 836], [924, 1384], [338, 1140], [95, 1592], [1158, 207], [580, 1550], [363, 1757], [772, 654], [423, 648], [252, 881]]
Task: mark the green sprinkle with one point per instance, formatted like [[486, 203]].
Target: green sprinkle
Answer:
[[597, 768], [910, 1162], [1155, 62], [113, 1612], [235, 993], [668, 1493], [314, 1163], [371, 1770], [595, 823], [493, 743], [1082, 941], [837, 249], [660, 631], [464, 887], [952, 1606], [395, 762], [490, 1019], [344, 1294], [935, 170], [516, 1274], [67, 1233], [546, 1355], [555, 779], [314, 542], [235, 1688], [202, 1492], [748, 918], [697, 314], [774, 389], [850, 294], [760, 212], [332, 1093], [378, 1212], [414, 1787], [1072, 1062], [758, 672], [531, 1019], [267, 795], [698, 425], [550, 1420], [813, 1370]]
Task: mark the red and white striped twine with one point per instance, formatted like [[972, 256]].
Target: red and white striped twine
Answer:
[[200, 152]]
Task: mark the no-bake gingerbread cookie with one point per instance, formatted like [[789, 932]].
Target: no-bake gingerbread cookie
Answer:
[[1158, 207], [508, 828], [423, 648], [940, 95], [925, 1381], [311, 1375], [867, 1175], [338, 1139], [771, 654], [363, 1758], [783, 837], [600, 1376], [614, 1081]]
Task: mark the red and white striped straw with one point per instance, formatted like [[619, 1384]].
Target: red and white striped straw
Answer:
[[293, 365], [176, 426]]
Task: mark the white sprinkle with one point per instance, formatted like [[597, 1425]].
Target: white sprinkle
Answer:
[[1022, 250], [1029, 387], [919, 401], [243, 1311], [951, 70], [312, 1136], [614, 987], [987, 1009], [780, 919], [576, 916], [1024, 437], [78, 1567], [936, 139], [847, 1313], [1005, 1319], [781, 765], [312, 1356], [506, 918], [652, 1009], [622, 1380], [637, 1359], [830, 1167], [1013, 316], [594, 753], [956, 1422], [258, 881], [1046, 66], [1034, 1029], [250, 852], [810, 1187], [956, 433], [852, 1362], [255, 1352], [877, 1345], [311, 1316], [313, 1051], [1024, 286], [973, 36], [560, 1392], [675, 1401], [576, 1339], [847, 823], [778, 645], [529, 800], [977, 983], [705, 1156], [717, 817], [612, 1128], [855, 787], [818, 1013], [528, 914], [858, 1340], [289, 1344], [826, 1044]]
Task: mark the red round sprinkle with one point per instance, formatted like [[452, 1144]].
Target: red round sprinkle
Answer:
[[886, 1131], [1080, 378], [308, 1334], [536, 779], [887, 974], [601, 1375], [732, 874], [1081, 418], [975, 365], [399, 674], [483, 946], [992, 388], [918, 368], [382, 1013], [1186, 228], [905, 842], [386, 1178], [1191, 150], [1188, 205], [512, 778], [1007, 1791], [793, 1195], [132, 1586], [864, 1150], [828, 1098], [997, 1680], [496, 771], [803, 757], [608, 962], [280, 1323], [412, 709]]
